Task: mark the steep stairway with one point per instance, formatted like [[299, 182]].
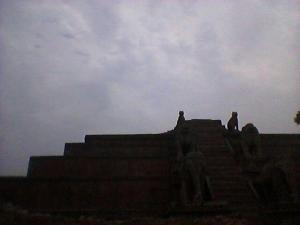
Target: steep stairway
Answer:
[[225, 178]]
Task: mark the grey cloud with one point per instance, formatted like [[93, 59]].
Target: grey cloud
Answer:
[[68, 35]]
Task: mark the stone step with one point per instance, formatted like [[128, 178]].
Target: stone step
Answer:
[[209, 135], [220, 160], [80, 145], [233, 189], [280, 145], [140, 138], [127, 145], [238, 201], [212, 142], [219, 163], [218, 169], [213, 147], [104, 143], [226, 156], [224, 182], [214, 154], [111, 151], [222, 174], [95, 167], [238, 195]]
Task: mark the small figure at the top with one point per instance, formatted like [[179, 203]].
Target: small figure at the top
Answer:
[[180, 119], [233, 123]]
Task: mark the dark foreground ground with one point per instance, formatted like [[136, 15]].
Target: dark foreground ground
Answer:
[[13, 216], [9, 219]]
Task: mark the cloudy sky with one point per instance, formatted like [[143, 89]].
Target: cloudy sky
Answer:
[[70, 68]]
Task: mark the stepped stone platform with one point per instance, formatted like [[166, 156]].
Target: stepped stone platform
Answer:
[[135, 173]]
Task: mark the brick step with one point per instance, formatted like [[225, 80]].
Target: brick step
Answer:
[[79, 145], [206, 130], [220, 169], [239, 201], [128, 138], [224, 183], [120, 152], [209, 137], [116, 151], [226, 179], [214, 154], [127, 148], [280, 144], [220, 160], [220, 148], [222, 192], [130, 144], [80, 167], [241, 185], [212, 142], [140, 141], [217, 167], [213, 147], [237, 197], [218, 156], [221, 175], [111, 147], [220, 163], [208, 134]]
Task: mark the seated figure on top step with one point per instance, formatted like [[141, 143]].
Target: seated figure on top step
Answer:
[[180, 120], [233, 123]]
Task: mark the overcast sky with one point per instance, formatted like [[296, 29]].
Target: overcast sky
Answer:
[[70, 68]]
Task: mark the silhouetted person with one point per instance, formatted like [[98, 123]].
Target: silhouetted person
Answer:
[[233, 123], [180, 119]]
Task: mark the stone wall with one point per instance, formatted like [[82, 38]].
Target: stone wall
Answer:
[[86, 194]]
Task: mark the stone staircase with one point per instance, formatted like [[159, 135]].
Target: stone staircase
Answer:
[[226, 181]]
